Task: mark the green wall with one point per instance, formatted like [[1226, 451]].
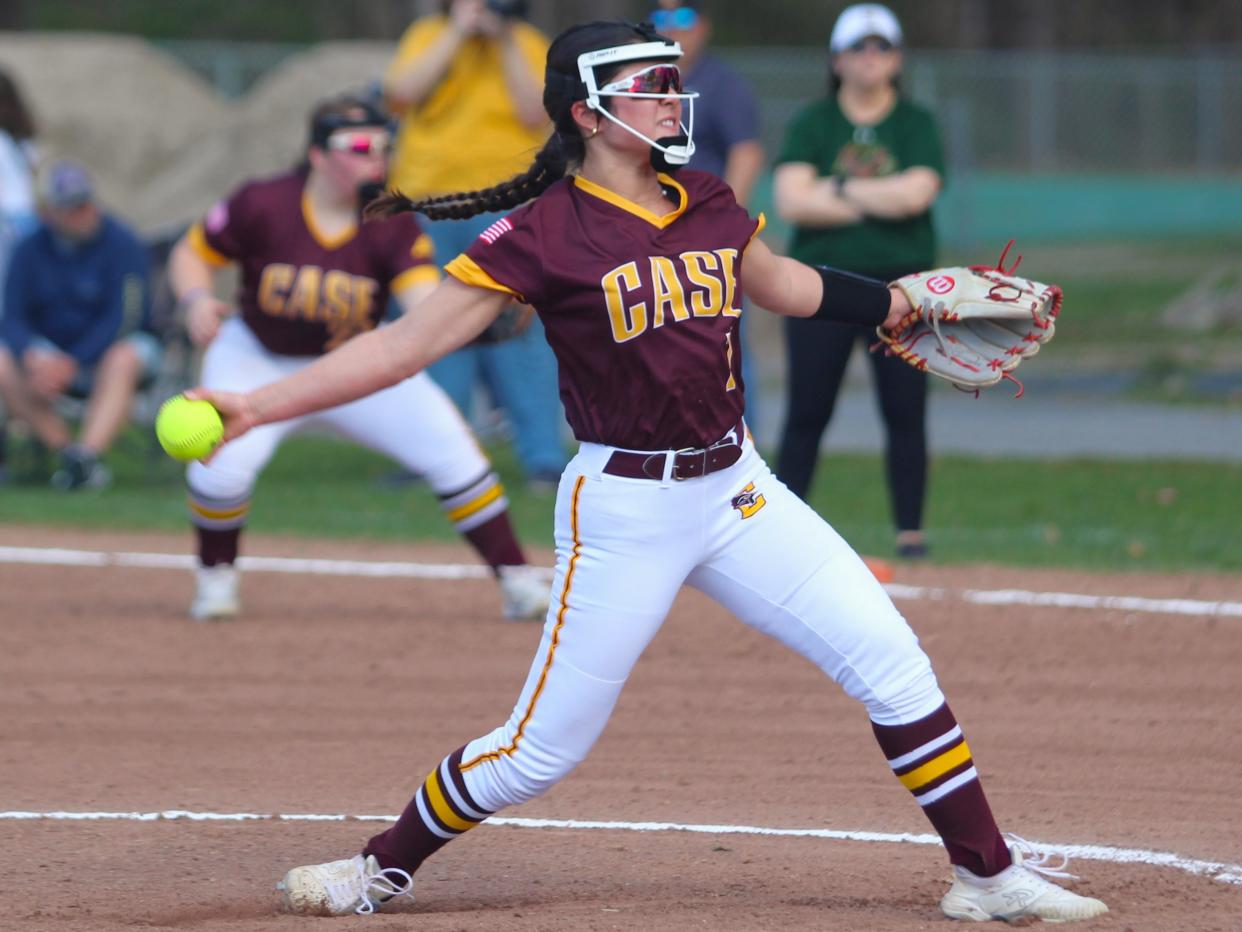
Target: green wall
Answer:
[[988, 208]]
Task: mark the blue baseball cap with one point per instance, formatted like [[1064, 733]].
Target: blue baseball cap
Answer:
[[64, 185]]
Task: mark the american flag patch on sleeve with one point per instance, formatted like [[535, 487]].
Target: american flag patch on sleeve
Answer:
[[496, 230]]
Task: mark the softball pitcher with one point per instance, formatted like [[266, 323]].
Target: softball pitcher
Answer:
[[312, 278], [637, 274]]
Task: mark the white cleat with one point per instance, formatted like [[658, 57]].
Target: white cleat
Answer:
[[1019, 891], [526, 591], [216, 593], [338, 888]]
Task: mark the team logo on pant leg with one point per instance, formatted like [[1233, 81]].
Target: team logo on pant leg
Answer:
[[748, 501]]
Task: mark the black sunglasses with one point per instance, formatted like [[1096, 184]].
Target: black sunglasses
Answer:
[[875, 43]]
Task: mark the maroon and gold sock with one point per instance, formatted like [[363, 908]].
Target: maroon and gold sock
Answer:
[[440, 811], [932, 761], [480, 513], [218, 524]]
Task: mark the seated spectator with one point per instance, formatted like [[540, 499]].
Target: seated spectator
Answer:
[[76, 324]]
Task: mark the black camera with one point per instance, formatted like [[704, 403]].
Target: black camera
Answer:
[[509, 9]]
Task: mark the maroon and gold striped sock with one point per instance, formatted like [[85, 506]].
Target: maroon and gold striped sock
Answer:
[[441, 810], [218, 523], [480, 513], [931, 759]]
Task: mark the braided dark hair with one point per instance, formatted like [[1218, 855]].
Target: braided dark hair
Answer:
[[565, 147]]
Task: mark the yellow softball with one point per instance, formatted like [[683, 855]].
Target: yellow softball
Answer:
[[188, 430]]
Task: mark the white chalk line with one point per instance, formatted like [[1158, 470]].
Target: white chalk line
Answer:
[[1217, 870], [54, 556], [407, 570]]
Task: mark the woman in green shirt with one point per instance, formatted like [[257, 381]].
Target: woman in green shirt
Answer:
[[857, 176]]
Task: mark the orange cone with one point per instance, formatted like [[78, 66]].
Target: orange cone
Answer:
[[880, 569]]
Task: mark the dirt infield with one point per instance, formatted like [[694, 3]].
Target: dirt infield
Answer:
[[336, 695]]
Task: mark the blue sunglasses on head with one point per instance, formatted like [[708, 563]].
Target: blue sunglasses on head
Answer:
[[681, 18]]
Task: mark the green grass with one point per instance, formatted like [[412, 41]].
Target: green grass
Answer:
[[1088, 514]]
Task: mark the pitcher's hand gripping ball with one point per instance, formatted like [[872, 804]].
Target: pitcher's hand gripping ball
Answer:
[[188, 430], [973, 325]]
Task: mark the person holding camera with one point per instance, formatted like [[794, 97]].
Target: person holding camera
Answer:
[[467, 87]]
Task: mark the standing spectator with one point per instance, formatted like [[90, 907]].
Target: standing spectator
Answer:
[[467, 85], [857, 175], [76, 322], [726, 124], [726, 114]]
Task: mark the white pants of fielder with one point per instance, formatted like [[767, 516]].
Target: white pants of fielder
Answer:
[[624, 549], [413, 422]]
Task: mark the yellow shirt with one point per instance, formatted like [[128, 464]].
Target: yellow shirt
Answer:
[[466, 135]]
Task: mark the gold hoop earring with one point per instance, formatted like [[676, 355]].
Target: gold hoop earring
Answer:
[[594, 133]]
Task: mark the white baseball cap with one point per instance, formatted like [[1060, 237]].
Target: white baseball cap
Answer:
[[862, 20]]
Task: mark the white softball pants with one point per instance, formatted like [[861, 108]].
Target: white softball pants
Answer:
[[624, 549], [412, 422]]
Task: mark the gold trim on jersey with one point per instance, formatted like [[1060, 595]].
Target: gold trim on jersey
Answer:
[[320, 237], [469, 272], [196, 238], [555, 640], [423, 247], [656, 220], [413, 277], [759, 227]]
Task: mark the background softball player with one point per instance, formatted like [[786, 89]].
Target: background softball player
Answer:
[[637, 276], [312, 278]]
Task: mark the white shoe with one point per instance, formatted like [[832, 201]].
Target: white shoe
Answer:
[[338, 888], [526, 591], [216, 595], [1019, 891]]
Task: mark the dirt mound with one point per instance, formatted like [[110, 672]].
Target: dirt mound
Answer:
[[162, 143]]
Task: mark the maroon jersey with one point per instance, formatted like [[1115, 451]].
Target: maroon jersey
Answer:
[[302, 293], [642, 311]]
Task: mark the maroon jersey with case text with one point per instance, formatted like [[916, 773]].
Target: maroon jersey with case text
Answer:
[[641, 310], [304, 293]]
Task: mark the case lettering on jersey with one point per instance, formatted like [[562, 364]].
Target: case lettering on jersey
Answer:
[[341, 301], [696, 283]]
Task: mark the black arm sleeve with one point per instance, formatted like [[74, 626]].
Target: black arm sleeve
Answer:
[[852, 299]]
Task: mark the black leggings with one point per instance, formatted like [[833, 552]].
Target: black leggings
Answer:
[[818, 352]]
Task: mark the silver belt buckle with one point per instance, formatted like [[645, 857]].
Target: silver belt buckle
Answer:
[[659, 473], [691, 451]]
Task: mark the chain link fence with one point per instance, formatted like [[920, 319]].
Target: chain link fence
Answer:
[[1018, 111], [1026, 111], [1039, 145]]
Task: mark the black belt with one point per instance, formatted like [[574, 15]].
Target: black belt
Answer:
[[687, 464]]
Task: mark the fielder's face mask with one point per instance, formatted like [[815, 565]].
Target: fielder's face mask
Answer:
[[657, 82]]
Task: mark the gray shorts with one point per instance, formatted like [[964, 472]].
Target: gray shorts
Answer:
[[150, 351]]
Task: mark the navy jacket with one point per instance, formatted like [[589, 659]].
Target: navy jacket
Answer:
[[82, 297]]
